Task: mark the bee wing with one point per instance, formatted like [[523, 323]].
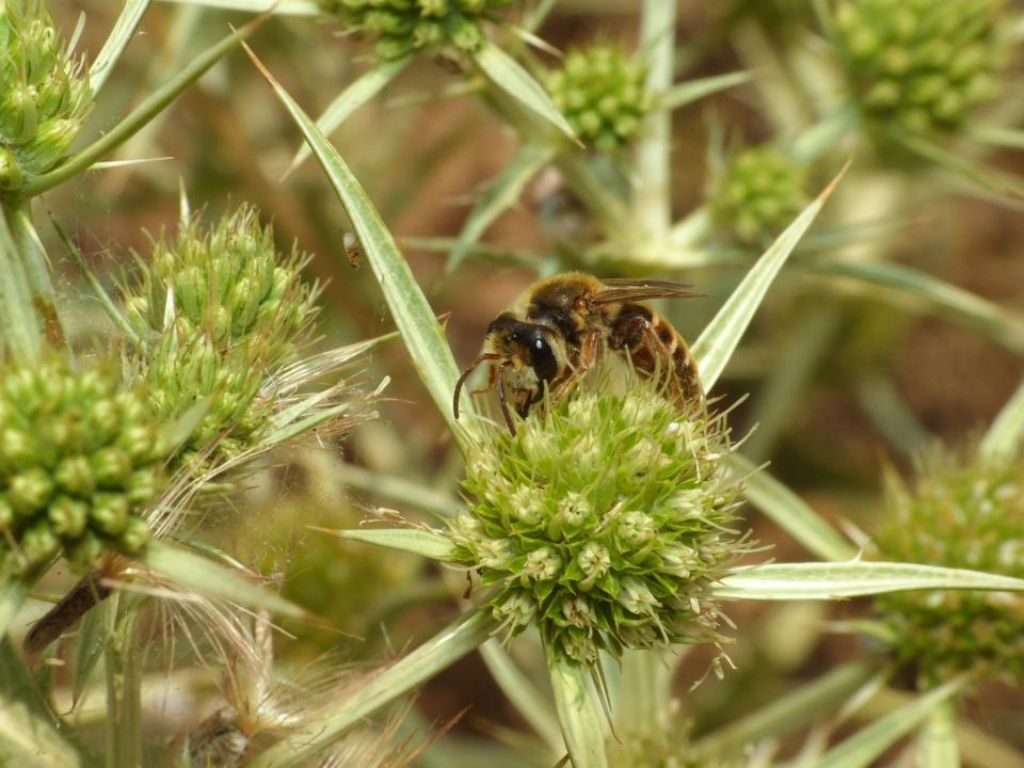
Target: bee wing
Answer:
[[618, 289]]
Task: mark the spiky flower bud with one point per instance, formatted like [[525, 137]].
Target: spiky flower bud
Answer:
[[601, 92], [44, 95], [603, 521], [79, 455], [222, 309], [921, 66], [401, 27], [758, 194], [959, 513]]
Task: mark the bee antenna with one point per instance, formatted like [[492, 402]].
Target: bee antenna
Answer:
[[465, 375]]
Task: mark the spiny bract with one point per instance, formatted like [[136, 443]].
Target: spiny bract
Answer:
[[79, 456], [44, 95], [218, 311], [601, 92], [401, 27], [604, 522], [959, 514], [921, 66]]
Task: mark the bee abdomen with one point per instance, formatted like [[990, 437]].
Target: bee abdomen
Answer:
[[655, 346]]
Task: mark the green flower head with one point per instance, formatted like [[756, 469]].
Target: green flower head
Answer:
[[44, 95], [401, 27], [603, 521], [959, 514], [921, 66], [79, 456], [601, 92], [218, 311], [757, 195]]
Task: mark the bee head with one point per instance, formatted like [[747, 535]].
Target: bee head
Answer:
[[525, 345]]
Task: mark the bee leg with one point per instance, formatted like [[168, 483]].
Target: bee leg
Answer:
[[503, 400], [638, 339], [486, 356], [589, 354]]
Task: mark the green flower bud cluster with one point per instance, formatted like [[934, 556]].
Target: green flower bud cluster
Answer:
[[79, 455], [237, 312], [758, 194], [401, 27], [603, 521], [921, 66], [601, 92], [959, 514], [44, 96]]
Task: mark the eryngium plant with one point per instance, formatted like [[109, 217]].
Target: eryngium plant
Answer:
[[600, 90], [217, 311], [604, 522], [921, 66], [960, 513], [44, 95], [78, 456], [759, 192], [401, 27]]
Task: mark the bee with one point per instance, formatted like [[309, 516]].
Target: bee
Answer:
[[561, 327]]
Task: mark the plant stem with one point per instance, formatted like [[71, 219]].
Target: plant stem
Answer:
[[579, 711], [653, 200]]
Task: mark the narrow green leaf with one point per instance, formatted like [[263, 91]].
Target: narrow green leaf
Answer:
[[865, 746], [579, 712], [833, 581], [276, 7], [208, 578], [790, 512], [37, 268], [1009, 138], [1006, 434], [523, 694], [500, 195], [785, 713], [349, 100], [28, 739], [146, 111], [22, 332], [12, 597], [398, 490], [506, 73], [17, 683], [317, 731], [92, 639], [118, 39], [1006, 187], [686, 93], [416, 321], [720, 338], [1002, 325], [431, 544], [937, 745]]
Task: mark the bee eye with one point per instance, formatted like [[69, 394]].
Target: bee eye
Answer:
[[542, 359]]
